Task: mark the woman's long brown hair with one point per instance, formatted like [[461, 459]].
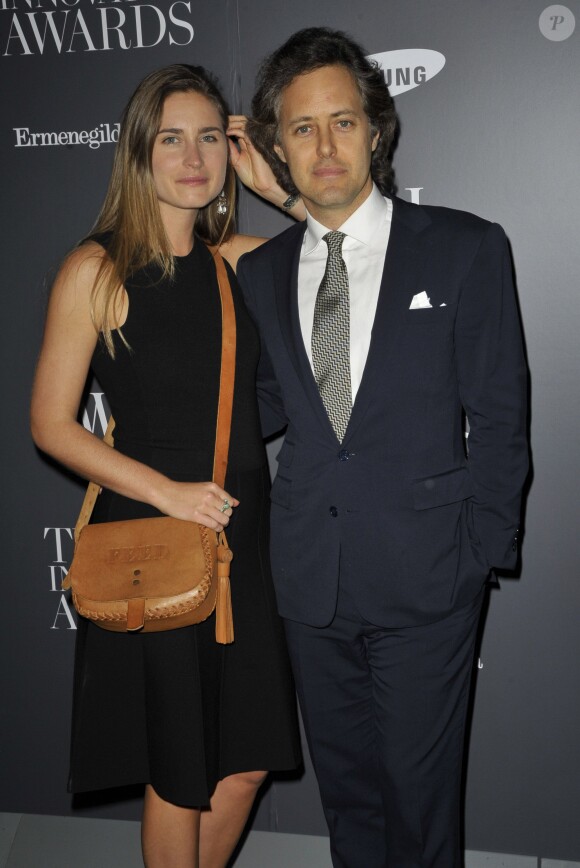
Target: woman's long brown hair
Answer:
[[130, 213]]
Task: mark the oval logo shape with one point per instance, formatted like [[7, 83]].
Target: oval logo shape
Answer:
[[407, 68]]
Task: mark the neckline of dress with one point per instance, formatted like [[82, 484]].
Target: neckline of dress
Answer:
[[185, 256], [197, 244]]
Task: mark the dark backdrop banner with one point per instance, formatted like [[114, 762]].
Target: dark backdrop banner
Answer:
[[489, 104]]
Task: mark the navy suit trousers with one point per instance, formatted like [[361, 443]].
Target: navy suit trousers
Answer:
[[384, 711]]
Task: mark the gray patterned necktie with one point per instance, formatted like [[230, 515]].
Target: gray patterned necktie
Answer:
[[331, 337]]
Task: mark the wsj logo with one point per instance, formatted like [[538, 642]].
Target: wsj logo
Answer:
[[98, 421], [60, 539], [414, 194], [61, 26], [407, 68]]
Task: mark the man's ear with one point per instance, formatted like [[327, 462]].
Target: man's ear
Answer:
[[280, 153], [375, 141]]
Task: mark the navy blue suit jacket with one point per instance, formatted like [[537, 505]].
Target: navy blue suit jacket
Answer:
[[398, 511]]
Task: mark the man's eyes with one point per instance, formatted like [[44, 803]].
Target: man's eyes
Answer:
[[342, 124]]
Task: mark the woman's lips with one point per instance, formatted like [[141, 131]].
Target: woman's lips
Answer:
[[192, 181]]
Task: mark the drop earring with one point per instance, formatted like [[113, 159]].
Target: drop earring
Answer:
[[222, 204]]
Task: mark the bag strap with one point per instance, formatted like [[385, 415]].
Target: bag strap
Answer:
[[227, 373], [93, 489], [225, 400]]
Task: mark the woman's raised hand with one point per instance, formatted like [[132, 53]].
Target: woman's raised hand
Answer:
[[250, 166], [253, 170]]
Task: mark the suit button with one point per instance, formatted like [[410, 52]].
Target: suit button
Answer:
[[333, 511], [343, 455]]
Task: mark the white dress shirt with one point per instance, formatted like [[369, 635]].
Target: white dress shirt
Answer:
[[363, 250]]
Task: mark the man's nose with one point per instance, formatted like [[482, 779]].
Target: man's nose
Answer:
[[326, 146]]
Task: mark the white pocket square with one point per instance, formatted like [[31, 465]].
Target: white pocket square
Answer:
[[420, 300]]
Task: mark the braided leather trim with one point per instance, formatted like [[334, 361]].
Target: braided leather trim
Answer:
[[194, 599], [111, 617], [207, 553]]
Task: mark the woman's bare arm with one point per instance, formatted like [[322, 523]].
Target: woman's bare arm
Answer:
[[68, 345]]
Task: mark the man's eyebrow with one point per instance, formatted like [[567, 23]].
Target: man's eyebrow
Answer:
[[300, 120], [306, 118]]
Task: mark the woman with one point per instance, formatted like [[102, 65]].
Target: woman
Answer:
[[196, 722]]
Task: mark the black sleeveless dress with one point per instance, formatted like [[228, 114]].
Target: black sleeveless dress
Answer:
[[175, 709]]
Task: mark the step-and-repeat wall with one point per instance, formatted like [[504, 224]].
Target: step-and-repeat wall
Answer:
[[489, 108]]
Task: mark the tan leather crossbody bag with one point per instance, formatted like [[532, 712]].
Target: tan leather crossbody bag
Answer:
[[152, 574]]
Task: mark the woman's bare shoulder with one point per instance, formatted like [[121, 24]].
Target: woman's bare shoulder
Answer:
[[88, 252], [238, 245], [78, 272], [82, 262]]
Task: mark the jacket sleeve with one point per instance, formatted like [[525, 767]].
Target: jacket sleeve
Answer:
[[272, 415], [492, 379]]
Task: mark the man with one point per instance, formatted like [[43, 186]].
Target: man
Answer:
[[382, 324]]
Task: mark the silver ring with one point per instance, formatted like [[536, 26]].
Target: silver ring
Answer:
[[226, 506]]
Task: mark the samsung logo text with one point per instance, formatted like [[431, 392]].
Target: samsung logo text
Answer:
[[407, 68]]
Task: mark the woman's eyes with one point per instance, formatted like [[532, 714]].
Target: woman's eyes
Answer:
[[207, 138]]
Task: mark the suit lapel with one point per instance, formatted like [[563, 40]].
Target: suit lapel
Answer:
[[286, 288], [401, 274]]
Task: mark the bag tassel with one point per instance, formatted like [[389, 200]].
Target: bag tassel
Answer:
[[224, 622]]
